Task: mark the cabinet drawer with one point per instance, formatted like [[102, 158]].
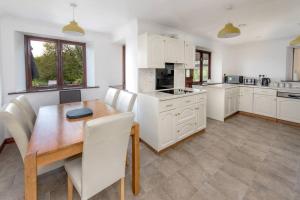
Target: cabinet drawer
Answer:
[[245, 90], [201, 98], [186, 101], [185, 114], [167, 105], [185, 129], [265, 91]]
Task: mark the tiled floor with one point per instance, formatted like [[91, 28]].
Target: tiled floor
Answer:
[[243, 158]]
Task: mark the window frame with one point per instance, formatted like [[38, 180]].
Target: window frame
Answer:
[[189, 81], [59, 63]]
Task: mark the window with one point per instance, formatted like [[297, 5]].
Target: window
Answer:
[[296, 65], [52, 63], [201, 73]]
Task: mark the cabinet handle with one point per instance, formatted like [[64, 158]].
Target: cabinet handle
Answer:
[[196, 108], [178, 113], [170, 105], [188, 101]]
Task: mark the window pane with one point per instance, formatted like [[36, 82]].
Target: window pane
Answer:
[[43, 63], [196, 75], [72, 64], [205, 67]]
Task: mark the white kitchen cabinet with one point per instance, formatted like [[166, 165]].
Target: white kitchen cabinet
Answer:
[[265, 105], [189, 55], [185, 129], [167, 128], [231, 101], [185, 114], [246, 99], [151, 51], [288, 109], [174, 50], [200, 115], [165, 122]]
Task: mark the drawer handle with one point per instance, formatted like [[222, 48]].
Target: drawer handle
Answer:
[[188, 101], [196, 108], [169, 105]]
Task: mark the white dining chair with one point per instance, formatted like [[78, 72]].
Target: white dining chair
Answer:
[[23, 116], [10, 119], [111, 96], [24, 103], [125, 101], [102, 163]]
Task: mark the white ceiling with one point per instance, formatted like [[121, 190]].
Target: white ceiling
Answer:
[[265, 19]]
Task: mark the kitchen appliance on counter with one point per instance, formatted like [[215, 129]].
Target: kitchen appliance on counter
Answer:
[[165, 77], [177, 91], [265, 81], [291, 95], [233, 79], [250, 81]]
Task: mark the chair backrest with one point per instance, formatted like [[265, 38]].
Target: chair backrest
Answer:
[[11, 121], [69, 96], [104, 152], [24, 103], [25, 116], [111, 96], [125, 101]]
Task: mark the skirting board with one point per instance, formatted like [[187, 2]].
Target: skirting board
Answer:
[[5, 142]]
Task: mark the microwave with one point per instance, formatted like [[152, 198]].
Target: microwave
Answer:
[[233, 79]]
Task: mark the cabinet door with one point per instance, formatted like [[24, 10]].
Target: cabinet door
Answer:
[[246, 102], [174, 50], [156, 52], [189, 55], [227, 106], [166, 128], [264, 105], [288, 109], [200, 109], [185, 114]]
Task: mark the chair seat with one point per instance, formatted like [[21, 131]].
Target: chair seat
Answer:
[[74, 171]]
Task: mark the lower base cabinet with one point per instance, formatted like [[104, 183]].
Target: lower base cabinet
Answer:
[[164, 123], [288, 109], [264, 105]]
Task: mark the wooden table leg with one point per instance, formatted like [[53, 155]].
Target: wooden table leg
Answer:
[[136, 160], [30, 177]]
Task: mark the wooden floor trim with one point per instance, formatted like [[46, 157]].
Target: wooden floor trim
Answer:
[[5, 142]]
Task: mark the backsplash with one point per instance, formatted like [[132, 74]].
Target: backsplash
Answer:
[[146, 78]]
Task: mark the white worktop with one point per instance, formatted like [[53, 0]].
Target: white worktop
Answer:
[[166, 96], [227, 86]]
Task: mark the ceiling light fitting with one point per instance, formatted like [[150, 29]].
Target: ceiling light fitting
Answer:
[[229, 30], [73, 28]]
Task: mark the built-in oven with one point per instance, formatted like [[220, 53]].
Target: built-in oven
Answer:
[[165, 77]]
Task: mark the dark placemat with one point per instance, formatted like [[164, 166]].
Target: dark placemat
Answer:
[[79, 113]]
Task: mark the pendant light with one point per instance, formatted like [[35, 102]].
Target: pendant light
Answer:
[[73, 28], [229, 30], [295, 42]]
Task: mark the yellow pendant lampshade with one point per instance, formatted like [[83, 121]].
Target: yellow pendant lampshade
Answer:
[[295, 42], [229, 31], [73, 28]]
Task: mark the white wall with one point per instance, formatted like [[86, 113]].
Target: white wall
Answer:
[[104, 60], [127, 34], [252, 59]]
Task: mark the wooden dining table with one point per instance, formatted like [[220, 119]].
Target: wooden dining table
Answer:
[[55, 138]]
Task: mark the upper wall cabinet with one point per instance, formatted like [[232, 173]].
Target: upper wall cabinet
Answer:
[[174, 50], [156, 50], [189, 55], [151, 51]]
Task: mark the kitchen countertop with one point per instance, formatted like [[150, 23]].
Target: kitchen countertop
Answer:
[[227, 86], [166, 96]]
